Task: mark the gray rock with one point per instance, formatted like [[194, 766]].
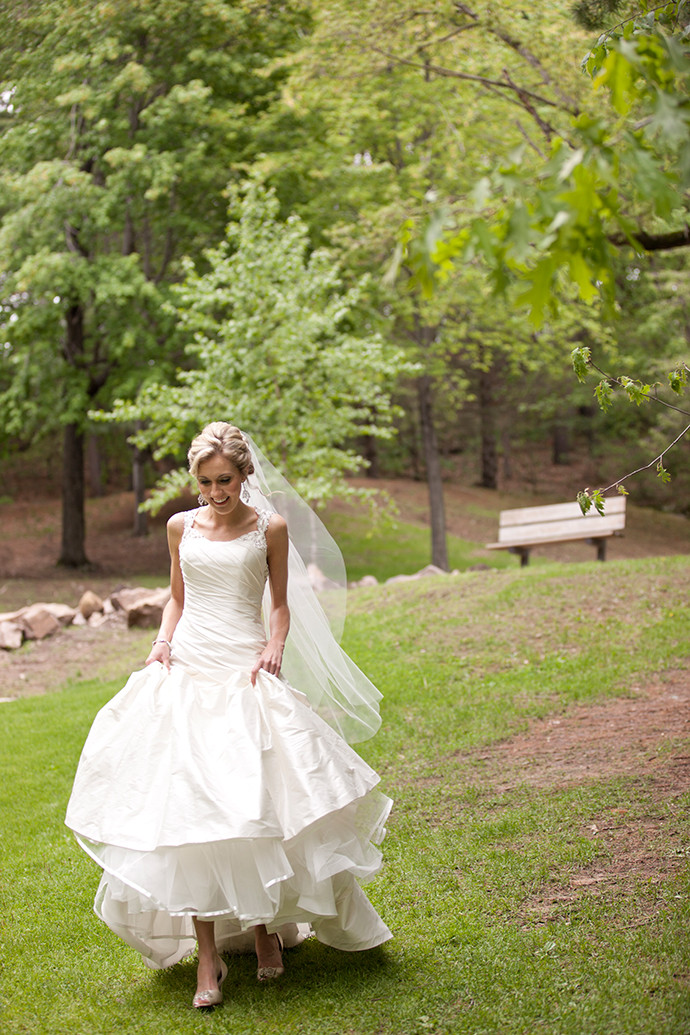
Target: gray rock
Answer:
[[36, 623], [430, 569], [63, 612], [11, 636], [90, 603]]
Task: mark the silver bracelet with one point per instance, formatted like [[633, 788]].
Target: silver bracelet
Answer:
[[167, 643]]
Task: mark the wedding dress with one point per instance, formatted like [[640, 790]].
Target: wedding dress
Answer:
[[200, 794]]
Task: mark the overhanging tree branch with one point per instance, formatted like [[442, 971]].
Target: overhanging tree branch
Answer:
[[652, 463], [524, 52], [451, 73], [444, 39], [664, 242], [647, 397], [546, 127]]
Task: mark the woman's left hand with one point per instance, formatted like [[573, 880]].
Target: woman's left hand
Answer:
[[271, 659]]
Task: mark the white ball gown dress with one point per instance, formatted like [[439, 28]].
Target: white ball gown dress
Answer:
[[202, 795]]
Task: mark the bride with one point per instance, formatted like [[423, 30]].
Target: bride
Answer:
[[222, 802]]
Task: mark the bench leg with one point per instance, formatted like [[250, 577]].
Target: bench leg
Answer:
[[601, 548], [524, 554]]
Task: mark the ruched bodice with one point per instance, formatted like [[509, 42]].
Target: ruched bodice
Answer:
[[224, 583], [202, 793]]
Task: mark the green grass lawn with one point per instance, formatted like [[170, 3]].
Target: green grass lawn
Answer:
[[463, 662]]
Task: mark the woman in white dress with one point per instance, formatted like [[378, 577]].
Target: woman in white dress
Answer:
[[222, 802]]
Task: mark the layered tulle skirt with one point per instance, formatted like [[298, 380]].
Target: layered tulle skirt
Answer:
[[216, 798]]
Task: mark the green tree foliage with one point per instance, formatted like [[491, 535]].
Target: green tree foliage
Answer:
[[413, 103], [653, 331], [614, 178], [277, 347], [119, 126]]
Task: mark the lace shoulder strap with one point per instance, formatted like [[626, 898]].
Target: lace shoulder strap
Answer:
[[262, 519], [189, 516]]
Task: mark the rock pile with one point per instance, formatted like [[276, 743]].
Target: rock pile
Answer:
[[137, 608], [423, 573]]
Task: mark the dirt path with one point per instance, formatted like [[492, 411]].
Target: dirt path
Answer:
[[644, 739], [79, 652], [636, 736]]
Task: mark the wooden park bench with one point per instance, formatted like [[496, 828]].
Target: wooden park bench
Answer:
[[520, 530]]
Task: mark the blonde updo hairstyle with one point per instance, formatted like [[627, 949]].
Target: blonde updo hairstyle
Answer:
[[220, 439]]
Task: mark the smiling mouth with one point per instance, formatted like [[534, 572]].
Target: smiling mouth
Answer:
[[219, 503]]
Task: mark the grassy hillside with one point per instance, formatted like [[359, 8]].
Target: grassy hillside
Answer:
[[522, 899], [389, 548]]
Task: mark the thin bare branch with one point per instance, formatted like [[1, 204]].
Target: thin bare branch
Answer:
[[531, 143], [547, 129], [448, 36], [72, 240], [631, 18], [524, 52], [668, 405], [484, 80], [657, 460], [651, 398]]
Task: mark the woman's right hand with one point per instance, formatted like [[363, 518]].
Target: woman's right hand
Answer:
[[160, 651]]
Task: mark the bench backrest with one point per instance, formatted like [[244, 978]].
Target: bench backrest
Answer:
[[560, 520]]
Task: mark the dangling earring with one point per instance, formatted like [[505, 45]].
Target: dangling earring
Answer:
[[244, 494], [202, 501]]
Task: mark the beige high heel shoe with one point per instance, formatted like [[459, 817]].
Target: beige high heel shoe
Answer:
[[211, 996], [271, 973]]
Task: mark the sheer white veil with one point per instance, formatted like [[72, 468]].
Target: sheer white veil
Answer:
[[314, 662]]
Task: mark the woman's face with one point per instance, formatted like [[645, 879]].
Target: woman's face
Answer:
[[220, 483]]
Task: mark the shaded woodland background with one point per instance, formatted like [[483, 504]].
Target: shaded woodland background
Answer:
[[235, 210]]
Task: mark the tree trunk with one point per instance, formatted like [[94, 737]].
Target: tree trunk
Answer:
[[370, 452], [560, 443], [439, 552], [507, 456], [586, 423], [487, 422], [94, 466], [73, 524], [141, 526]]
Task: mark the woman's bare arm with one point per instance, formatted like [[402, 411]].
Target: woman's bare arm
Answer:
[[279, 620], [172, 611]]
